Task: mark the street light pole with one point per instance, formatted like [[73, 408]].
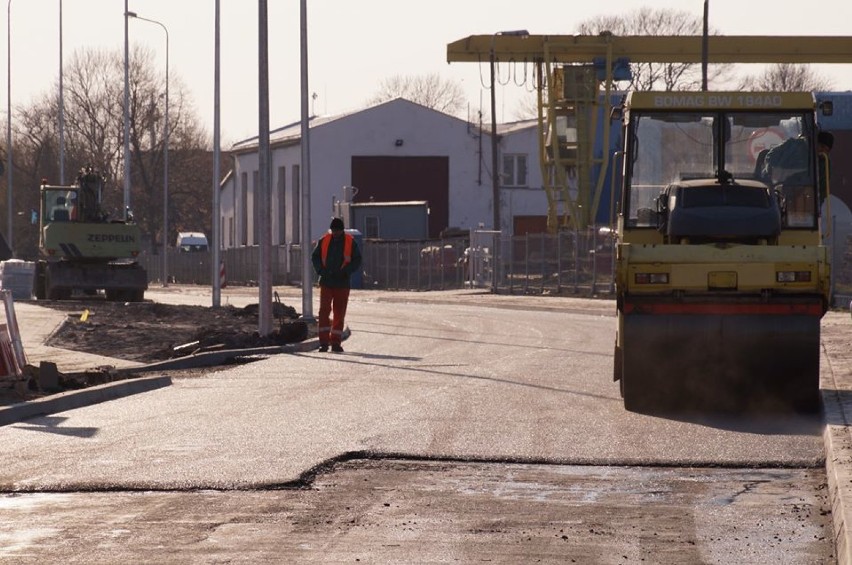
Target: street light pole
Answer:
[[704, 48], [61, 106], [217, 225], [262, 192], [126, 114], [307, 266], [165, 153], [9, 199]]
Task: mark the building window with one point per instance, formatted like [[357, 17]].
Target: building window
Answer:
[[244, 211], [282, 204], [295, 192], [371, 226], [255, 208], [514, 170]]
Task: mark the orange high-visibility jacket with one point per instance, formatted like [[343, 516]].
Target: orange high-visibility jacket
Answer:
[[335, 260], [347, 248]]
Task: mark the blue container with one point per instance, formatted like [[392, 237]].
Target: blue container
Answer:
[[357, 278]]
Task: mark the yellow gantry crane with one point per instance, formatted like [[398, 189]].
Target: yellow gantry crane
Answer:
[[575, 76]]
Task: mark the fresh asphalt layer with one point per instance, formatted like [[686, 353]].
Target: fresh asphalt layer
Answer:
[[38, 323]]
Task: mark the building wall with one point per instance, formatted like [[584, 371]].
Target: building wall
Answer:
[[423, 132], [371, 132], [529, 200]]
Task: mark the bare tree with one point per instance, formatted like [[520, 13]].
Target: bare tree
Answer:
[[787, 77], [430, 90], [649, 21], [93, 90], [35, 157]]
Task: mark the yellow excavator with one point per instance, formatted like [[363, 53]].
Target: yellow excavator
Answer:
[[81, 249]]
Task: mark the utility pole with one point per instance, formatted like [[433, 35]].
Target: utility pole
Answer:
[[166, 137], [262, 193], [61, 106], [495, 174], [126, 113], [217, 228], [307, 267], [704, 46], [9, 199], [495, 177]]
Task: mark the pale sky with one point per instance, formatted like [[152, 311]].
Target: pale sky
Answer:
[[352, 45]]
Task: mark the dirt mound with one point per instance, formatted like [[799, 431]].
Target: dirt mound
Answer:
[[149, 331]]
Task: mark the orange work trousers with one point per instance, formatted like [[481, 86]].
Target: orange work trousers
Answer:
[[333, 302]]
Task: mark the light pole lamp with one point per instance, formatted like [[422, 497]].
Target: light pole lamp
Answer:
[[165, 152]]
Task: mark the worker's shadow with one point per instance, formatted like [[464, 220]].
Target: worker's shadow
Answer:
[[377, 356], [52, 425]]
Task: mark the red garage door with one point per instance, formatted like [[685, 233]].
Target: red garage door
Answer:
[[395, 179]]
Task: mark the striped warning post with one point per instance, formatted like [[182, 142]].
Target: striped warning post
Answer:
[[8, 362], [17, 358], [222, 281]]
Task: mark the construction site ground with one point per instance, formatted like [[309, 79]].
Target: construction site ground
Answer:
[[151, 332]]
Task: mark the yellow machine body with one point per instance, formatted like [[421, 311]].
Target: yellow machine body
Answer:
[[721, 273], [82, 249]]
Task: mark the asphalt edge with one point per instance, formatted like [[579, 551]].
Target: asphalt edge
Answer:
[[79, 398], [838, 461], [72, 399], [213, 358]]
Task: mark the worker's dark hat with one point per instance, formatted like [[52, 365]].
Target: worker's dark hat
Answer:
[[826, 138], [336, 224]]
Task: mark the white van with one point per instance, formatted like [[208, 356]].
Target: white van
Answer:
[[189, 241]]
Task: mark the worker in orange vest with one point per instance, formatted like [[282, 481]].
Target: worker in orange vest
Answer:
[[335, 258]]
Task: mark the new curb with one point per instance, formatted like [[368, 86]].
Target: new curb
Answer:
[[838, 454], [78, 398]]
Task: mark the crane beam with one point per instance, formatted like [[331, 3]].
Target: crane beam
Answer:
[[653, 48]]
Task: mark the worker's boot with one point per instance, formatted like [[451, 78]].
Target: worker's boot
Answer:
[[337, 348], [323, 347]]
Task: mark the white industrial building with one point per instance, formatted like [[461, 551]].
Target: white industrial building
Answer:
[[394, 151]]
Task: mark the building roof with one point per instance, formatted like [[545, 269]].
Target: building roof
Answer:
[[512, 127], [291, 133]]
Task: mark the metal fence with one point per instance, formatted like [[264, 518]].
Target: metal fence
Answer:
[[414, 265], [240, 266], [562, 262], [579, 262]]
